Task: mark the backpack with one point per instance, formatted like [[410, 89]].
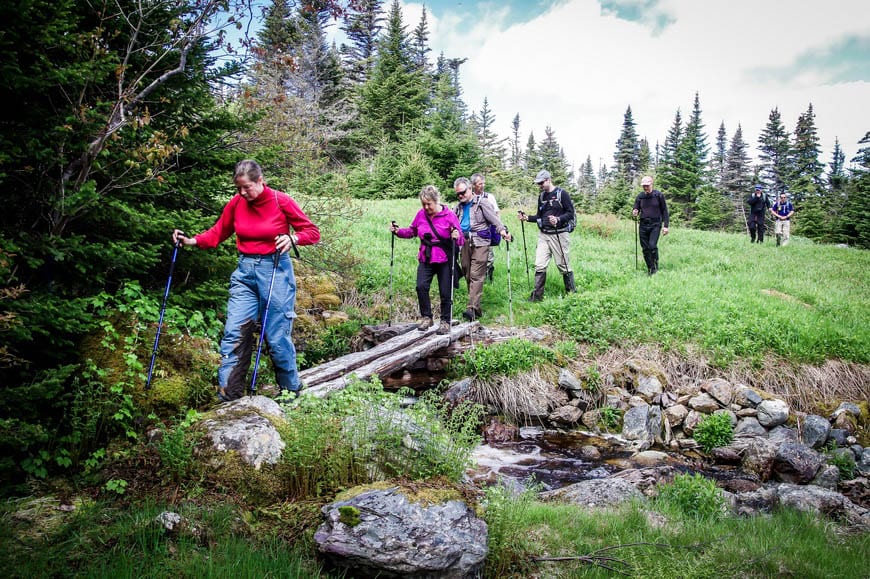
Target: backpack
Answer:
[[572, 223]]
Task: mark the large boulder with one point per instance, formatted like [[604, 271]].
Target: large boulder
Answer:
[[380, 533], [814, 431], [643, 423], [772, 413], [602, 492], [796, 463], [247, 426], [720, 389]]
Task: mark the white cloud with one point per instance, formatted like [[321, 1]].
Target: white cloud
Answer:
[[577, 70]]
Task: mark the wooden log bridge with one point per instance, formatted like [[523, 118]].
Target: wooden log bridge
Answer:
[[398, 352]]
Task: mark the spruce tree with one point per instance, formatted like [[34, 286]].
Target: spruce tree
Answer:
[[666, 165], [806, 179], [627, 156], [720, 153], [420, 44], [774, 149], [363, 22], [854, 222], [552, 158], [690, 166], [491, 146], [586, 185], [516, 149], [837, 174], [737, 176], [645, 159]]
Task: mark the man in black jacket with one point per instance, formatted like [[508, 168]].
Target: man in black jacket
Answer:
[[555, 219], [652, 210], [758, 206]]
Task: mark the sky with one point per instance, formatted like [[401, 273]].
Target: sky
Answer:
[[576, 65]]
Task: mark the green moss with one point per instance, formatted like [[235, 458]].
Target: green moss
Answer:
[[349, 515]]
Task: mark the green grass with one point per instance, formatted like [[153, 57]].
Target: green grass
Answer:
[[715, 292]]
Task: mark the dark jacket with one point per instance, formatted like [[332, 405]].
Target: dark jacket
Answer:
[[652, 207], [556, 202], [758, 203]]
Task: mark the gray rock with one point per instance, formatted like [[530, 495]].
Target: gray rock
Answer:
[[595, 493], [704, 403], [169, 520], [648, 387], [732, 418], [382, 534], [744, 412], [783, 433], [796, 463], [747, 397], [749, 427], [814, 431], [772, 413], [568, 381], [531, 432], [650, 458], [676, 414], [598, 472], [589, 452], [758, 458], [815, 499], [458, 391], [239, 427], [827, 477], [857, 450], [752, 503], [849, 407], [643, 423], [692, 419], [838, 436], [846, 421], [720, 389], [566, 416]]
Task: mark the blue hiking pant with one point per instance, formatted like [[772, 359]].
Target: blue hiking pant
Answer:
[[249, 291]]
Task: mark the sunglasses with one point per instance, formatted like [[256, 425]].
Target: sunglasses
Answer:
[[461, 193]]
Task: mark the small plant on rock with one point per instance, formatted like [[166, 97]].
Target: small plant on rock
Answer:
[[843, 459], [713, 431]]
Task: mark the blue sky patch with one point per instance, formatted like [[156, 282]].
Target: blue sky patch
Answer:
[[847, 60], [645, 12]]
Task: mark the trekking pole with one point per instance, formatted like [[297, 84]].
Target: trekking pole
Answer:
[[635, 243], [507, 248], [392, 254], [162, 312], [525, 252], [452, 273], [275, 258]]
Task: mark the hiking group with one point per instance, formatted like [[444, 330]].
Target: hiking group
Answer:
[[454, 243]]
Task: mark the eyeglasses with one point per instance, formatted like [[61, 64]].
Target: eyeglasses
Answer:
[[461, 193]]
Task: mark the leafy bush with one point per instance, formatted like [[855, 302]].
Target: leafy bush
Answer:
[[505, 513], [693, 495], [176, 446], [843, 459], [610, 417], [713, 431], [504, 359]]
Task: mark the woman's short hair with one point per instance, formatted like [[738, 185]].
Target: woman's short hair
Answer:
[[430, 193], [248, 168]]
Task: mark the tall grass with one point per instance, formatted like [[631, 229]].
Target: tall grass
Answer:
[[716, 293]]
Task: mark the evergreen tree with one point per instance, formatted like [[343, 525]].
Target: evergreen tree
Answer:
[[395, 96], [586, 185], [774, 148], [806, 179], [837, 174], [516, 149], [690, 164], [490, 145], [420, 44], [854, 223], [737, 176], [645, 159], [666, 166], [627, 156], [720, 153], [363, 21], [532, 159], [552, 158]]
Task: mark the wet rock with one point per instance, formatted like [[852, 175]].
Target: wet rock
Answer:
[[704, 403], [566, 416], [650, 458], [497, 431], [381, 533], [749, 427], [595, 493], [747, 397], [827, 477], [531, 432], [814, 431], [796, 463], [721, 390], [590, 453], [772, 413], [676, 414]]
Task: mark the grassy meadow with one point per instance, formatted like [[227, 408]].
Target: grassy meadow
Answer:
[[716, 293]]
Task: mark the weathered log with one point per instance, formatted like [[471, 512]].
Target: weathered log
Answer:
[[383, 332], [396, 354]]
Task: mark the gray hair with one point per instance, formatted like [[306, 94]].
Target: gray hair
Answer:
[[463, 181], [430, 193], [477, 177], [249, 169]]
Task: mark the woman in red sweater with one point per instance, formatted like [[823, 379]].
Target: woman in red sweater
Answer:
[[265, 221]]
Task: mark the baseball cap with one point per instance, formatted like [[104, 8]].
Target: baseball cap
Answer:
[[542, 176], [759, 187], [646, 181]]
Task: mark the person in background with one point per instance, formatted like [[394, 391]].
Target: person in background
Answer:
[[476, 214], [478, 184], [651, 209], [758, 206], [555, 220], [782, 210], [266, 222], [438, 229]]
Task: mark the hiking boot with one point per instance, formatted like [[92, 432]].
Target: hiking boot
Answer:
[[538, 292], [443, 328], [424, 323], [469, 315], [490, 270]]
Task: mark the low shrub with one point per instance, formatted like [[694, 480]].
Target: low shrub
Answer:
[[507, 358], [843, 459], [713, 431], [693, 495]]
